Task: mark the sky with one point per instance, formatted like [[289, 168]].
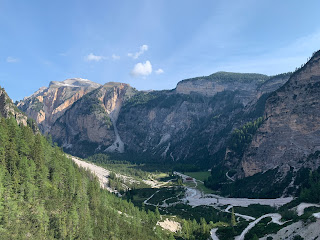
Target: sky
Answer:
[[150, 44]]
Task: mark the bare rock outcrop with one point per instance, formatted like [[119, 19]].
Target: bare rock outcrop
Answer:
[[291, 130], [47, 104], [90, 124]]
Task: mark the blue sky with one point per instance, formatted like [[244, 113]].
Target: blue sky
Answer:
[[150, 44]]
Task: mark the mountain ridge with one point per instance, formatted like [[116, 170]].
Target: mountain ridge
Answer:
[[143, 121]]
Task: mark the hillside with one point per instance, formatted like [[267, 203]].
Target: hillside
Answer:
[[43, 195], [284, 144], [290, 132], [8, 109]]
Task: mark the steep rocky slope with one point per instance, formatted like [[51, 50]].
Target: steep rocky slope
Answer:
[[49, 103], [8, 109], [89, 125], [245, 84], [190, 123], [289, 136]]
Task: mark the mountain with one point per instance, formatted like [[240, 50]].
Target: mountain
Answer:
[[271, 157], [48, 103], [290, 132], [245, 84], [190, 123], [44, 195], [90, 124], [8, 109]]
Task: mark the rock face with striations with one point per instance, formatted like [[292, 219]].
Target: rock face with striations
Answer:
[[291, 131], [244, 84], [89, 125], [49, 103], [192, 122], [189, 123]]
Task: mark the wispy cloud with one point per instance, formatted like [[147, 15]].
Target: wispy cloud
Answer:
[[159, 71], [12, 60], [142, 69], [136, 55], [94, 58], [115, 57]]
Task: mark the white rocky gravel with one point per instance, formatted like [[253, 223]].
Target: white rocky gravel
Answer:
[[170, 225], [213, 234], [275, 219], [306, 231], [302, 206], [316, 215], [102, 174], [194, 197]]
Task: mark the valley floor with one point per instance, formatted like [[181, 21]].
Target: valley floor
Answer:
[[194, 197]]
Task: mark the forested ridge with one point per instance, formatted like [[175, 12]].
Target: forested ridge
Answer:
[[43, 195]]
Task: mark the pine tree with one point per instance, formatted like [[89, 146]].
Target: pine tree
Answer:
[[233, 218]]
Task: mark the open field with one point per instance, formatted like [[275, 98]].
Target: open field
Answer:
[[199, 175]]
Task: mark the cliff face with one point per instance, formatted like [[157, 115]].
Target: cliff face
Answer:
[[89, 126], [48, 104], [193, 122], [8, 109], [291, 130], [189, 123], [245, 84], [177, 127]]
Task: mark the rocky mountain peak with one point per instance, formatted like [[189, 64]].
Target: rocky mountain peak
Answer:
[[49, 103], [74, 82]]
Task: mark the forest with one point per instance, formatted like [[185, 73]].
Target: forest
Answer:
[[43, 195]]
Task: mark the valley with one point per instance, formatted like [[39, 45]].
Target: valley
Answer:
[[159, 120], [191, 156], [174, 200]]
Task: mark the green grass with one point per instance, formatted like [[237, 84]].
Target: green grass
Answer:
[[204, 189], [199, 175]]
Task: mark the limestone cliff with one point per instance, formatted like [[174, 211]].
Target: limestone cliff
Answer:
[[193, 122], [89, 125], [48, 104], [291, 130], [190, 123], [245, 84]]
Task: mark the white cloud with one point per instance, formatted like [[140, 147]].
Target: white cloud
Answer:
[[142, 69], [136, 55], [159, 71], [92, 57], [115, 57], [12, 59]]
